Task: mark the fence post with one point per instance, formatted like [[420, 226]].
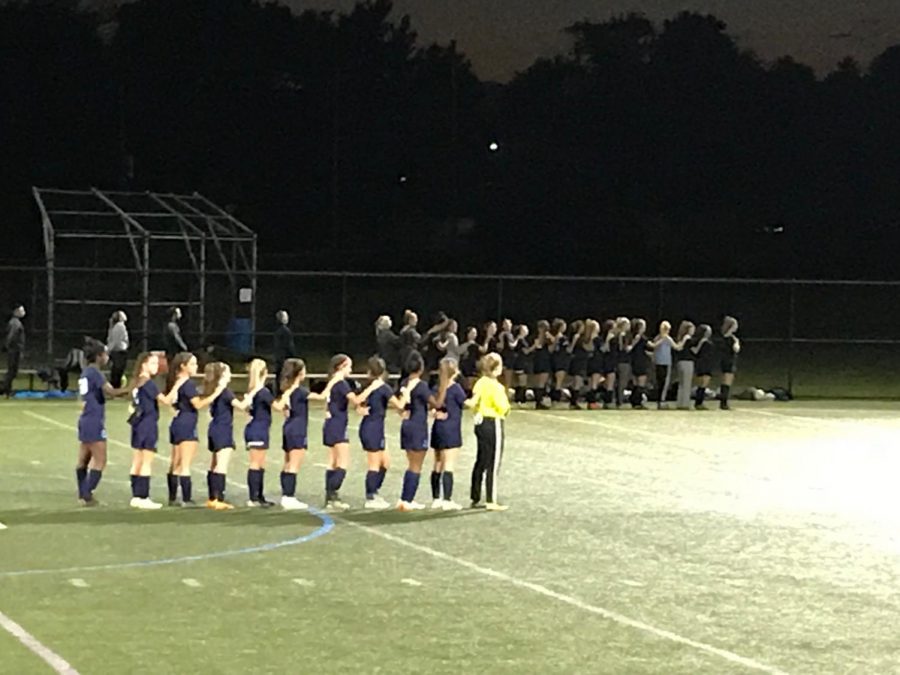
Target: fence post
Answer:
[[660, 288], [344, 313], [791, 327], [500, 299]]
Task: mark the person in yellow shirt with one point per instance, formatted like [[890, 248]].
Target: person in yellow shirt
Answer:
[[491, 405]]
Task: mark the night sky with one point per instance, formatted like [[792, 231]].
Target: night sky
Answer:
[[504, 36]]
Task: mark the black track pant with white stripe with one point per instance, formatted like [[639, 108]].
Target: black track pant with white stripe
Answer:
[[490, 436]]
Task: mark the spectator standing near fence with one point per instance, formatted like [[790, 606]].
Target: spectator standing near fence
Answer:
[[14, 345], [283, 347], [117, 343], [172, 339], [387, 343]]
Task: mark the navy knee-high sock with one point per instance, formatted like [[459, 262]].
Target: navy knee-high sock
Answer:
[[337, 479], [329, 479], [218, 480], [210, 489], [435, 485], [262, 485], [371, 484], [410, 486], [447, 480], [186, 487], [80, 475], [90, 482], [254, 484], [172, 482], [134, 486], [288, 484], [381, 474], [143, 486]]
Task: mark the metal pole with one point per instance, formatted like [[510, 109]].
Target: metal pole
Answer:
[[499, 299], [253, 269], [791, 326], [344, 313], [660, 295], [145, 294], [202, 331], [50, 253]]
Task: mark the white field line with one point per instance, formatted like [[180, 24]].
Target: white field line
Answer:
[[610, 615], [51, 658], [193, 583]]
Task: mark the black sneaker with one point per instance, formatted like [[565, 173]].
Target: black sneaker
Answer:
[[174, 502], [189, 504], [265, 503], [90, 502]]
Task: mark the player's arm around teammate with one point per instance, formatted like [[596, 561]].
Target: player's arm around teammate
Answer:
[[446, 436], [144, 420]]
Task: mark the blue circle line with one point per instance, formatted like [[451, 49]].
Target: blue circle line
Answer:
[[326, 527]]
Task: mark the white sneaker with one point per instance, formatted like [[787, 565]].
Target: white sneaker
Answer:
[[376, 504], [293, 504], [437, 504], [451, 506], [135, 502], [149, 505], [337, 505], [493, 506], [415, 506], [252, 504]]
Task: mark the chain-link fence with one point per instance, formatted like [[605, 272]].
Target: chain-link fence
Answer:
[[817, 338]]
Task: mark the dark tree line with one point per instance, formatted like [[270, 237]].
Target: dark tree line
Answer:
[[645, 150]]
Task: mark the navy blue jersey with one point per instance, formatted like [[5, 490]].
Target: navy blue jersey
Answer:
[[186, 392], [261, 409], [418, 403], [448, 433], [146, 407], [337, 400], [371, 429], [90, 386], [298, 403], [222, 411]]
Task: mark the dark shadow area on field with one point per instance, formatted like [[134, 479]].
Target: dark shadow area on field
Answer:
[[118, 516], [393, 517]]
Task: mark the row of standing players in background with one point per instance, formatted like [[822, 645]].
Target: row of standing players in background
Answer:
[[598, 361], [414, 400]]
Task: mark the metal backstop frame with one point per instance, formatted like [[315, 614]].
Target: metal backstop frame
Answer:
[[162, 234]]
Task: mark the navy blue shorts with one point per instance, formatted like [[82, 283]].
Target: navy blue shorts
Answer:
[[183, 429], [334, 431], [219, 439], [414, 435], [371, 435], [256, 439], [561, 362], [145, 436], [728, 366], [294, 439], [91, 430], [445, 436], [640, 366], [542, 362]]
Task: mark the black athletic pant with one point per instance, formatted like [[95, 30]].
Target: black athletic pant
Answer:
[[12, 369], [490, 436], [117, 362], [663, 382]]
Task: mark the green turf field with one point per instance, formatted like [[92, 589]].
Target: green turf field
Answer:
[[765, 540]]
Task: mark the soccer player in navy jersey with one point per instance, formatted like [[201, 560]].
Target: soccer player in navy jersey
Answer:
[[729, 348], [446, 435], [417, 398], [294, 402], [220, 433], [258, 403], [373, 405], [334, 431], [183, 429], [94, 389], [144, 421]]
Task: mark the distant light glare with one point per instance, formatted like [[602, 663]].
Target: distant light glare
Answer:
[[494, 146]]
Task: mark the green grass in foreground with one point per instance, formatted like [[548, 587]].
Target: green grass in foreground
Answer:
[[768, 533]]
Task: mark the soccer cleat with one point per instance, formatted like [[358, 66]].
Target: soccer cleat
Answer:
[[376, 504], [437, 504], [476, 505], [265, 503], [88, 502], [293, 504], [211, 503], [222, 506], [336, 505], [450, 506], [493, 506], [700, 407], [189, 504], [135, 502], [252, 504], [148, 504], [174, 502]]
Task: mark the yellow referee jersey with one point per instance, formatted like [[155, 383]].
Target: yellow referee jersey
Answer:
[[490, 399]]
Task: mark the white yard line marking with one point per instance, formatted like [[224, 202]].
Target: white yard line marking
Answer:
[[193, 583], [78, 583], [410, 582], [304, 582], [51, 658], [574, 602], [35, 462], [322, 466], [3, 527]]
